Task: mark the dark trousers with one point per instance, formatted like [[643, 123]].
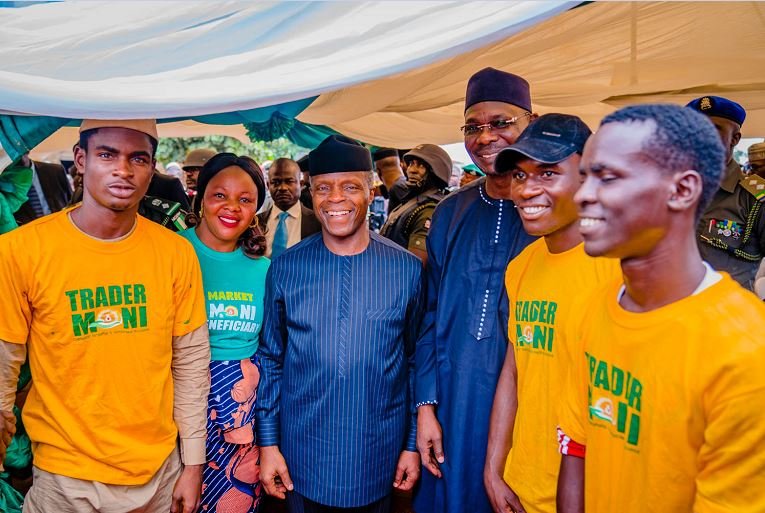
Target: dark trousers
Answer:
[[296, 503]]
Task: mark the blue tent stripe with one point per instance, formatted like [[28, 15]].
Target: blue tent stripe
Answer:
[[20, 134]]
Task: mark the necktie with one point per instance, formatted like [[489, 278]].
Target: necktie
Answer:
[[280, 236], [34, 201]]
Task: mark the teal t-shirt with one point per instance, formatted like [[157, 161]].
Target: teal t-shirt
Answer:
[[234, 288]]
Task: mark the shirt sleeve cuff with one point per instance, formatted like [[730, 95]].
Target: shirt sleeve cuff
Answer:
[[193, 451], [268, 432], [425, 391], [411, 436]]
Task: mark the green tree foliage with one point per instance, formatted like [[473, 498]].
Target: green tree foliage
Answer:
[[175, 148]]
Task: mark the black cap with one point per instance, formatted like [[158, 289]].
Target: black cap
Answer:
[[302, 163], [549, 139], [339, 154], [493, 85], [719, 107], [384, 153]]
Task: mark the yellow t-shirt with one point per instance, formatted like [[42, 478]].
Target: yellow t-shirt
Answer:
[[542, 287], [98, 319], [670, 403]]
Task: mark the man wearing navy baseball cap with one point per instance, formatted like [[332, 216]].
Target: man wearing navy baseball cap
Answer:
[[549, 140], [553, 271], [731, 232]]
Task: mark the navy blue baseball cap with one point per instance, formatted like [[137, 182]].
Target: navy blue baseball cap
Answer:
[[719, 107], [549, 139]]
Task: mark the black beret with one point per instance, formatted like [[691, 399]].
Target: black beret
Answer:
[[719, 107], [383, 153], [493, 85], [339, 154], [302, 163]]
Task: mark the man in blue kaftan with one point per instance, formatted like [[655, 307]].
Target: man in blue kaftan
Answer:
[[335, 411], [475, 232]]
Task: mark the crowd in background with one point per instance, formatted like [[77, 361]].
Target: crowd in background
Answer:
[[369, 331]]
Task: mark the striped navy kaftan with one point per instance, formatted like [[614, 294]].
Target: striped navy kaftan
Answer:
[[337, 357]]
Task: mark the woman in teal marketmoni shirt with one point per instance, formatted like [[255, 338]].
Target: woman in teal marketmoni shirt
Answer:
[[230, 248]]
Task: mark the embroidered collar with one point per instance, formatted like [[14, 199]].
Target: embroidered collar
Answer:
[[489, 201]]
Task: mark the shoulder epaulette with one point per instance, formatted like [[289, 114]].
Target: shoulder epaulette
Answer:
[[754, 185]]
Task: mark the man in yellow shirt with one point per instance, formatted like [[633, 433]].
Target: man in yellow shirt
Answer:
[[110, 308], [542, 284], [666, 386]]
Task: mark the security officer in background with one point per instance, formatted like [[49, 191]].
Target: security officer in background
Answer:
[[731, 232], [192, 165], [470, 173], [428, 170], [757, 159], [388, 168]]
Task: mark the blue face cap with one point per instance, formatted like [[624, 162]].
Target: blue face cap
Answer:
[[549, 139], [719, 107]]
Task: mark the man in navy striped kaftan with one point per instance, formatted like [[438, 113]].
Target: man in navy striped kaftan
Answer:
[[335, 413]]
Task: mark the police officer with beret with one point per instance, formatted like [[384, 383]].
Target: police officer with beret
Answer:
[[428, 170], [731, 232]]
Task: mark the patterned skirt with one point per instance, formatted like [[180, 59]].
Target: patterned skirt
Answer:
[[231, 477]]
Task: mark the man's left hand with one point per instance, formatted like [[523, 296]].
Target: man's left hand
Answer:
[[188, 490], [407, 471]]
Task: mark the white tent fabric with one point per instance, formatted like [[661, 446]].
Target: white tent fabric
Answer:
[[587, 61], [388, 73], [168, 59]]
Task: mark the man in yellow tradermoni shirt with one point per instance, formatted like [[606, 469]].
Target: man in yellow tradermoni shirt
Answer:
[[110, 308], [666, 391], [542, 284]]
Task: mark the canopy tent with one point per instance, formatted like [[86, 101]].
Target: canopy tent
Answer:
[[587, 61], [223, 62], [387, 73]]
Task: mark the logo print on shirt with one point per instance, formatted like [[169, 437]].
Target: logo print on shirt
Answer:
[[527, 337], [226, 316], [106, 308], [615, 396], [106, 319], [535, 325], [603, 409]]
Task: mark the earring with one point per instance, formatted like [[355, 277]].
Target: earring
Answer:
[[254, 223]]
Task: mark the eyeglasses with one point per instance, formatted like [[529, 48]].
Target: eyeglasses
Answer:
[[496, 125]]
